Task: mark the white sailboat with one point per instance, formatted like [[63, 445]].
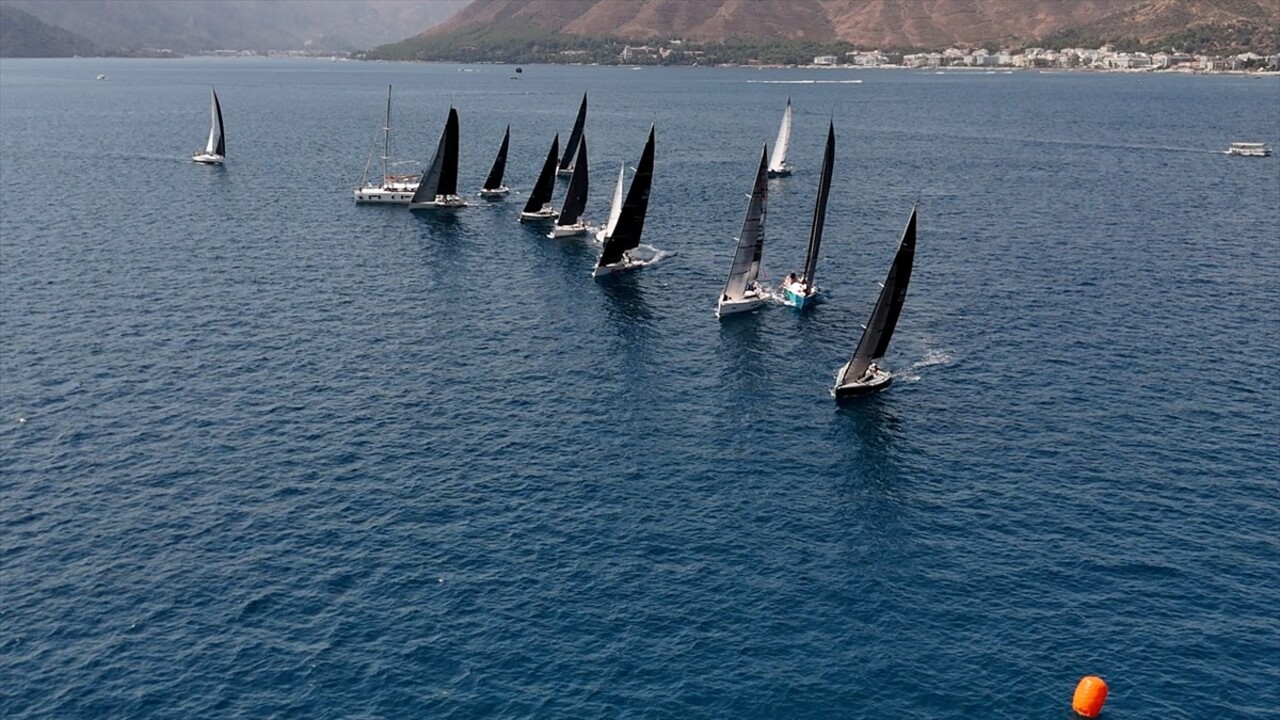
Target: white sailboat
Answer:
[[861, 375], [778, 166], [570, 221], [800, 290], [538, 206], [215, 148], [389, 188], [438, 189], [741, 291], [623, 235]]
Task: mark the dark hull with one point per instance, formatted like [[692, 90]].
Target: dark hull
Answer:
[[853, 390]]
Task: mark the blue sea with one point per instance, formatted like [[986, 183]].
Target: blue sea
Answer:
[[267, 454]]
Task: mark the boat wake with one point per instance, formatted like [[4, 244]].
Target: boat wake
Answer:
[[911, 372], [806, 82], [643, 255]]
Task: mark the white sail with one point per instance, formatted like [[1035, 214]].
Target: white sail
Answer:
[[778, 161], [615, 210], [214, 130]]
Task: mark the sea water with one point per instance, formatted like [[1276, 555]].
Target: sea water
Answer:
[[266, 453]]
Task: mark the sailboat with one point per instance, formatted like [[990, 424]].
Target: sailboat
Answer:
[[741, 291], [575, 199], [389, 188], [493, 186], [623, 235], [538, 206], [799, 291], [778, 166], [575, 135], [438, 188], [215, 148], [861, 375]]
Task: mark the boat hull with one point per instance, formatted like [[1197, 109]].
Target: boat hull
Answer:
[[796, 297], [747, 303], [543, 214], [207, 158], [881, 380], [497, 192], [396, 195], [560, 231], [784, 172], [625, 264], [442, 202], [565, 172]]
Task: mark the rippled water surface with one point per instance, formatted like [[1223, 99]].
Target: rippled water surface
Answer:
[[264, 453]]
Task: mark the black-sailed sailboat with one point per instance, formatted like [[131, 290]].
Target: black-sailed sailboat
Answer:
[[493, 186], [215, 148], [575, 136], [570, 221], [800, 291], [741, 291], [538, 207], [624, 235], [438, 188], [861, 375]]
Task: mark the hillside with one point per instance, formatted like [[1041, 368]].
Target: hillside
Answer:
[[24, 35], [193, 26], [927, 24]]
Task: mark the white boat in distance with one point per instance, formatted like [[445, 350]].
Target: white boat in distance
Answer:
[[215, 148], [1248, 149], [623, 234], [493, 186], [575, 136], [538, 206], [778, 166], [438, 189], [741, 291], [861, 375], [390, 188], [800, 290], [570, 222]]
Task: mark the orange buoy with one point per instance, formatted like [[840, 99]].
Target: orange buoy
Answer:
[[1091, 693]]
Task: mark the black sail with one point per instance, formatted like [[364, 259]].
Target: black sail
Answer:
[[575, 135], [449, 169], [542, 189], [820, 208], [626, 235], [494, 181], [884, 317], [575, 200], [429, 183], [746, 258], [222, 132]]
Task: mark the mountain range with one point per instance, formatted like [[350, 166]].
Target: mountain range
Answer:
[[194, 26], [873, 23]]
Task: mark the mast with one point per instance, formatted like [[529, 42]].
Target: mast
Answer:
[[884, 316], [575, 136], [626, 234], [820, 209], [221, 148], [542, 189], [778, 162], [494, 181], [575, 200], [386, 140], [746, 260], [449, 170]]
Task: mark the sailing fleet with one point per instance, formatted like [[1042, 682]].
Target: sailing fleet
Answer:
[[436, 189]]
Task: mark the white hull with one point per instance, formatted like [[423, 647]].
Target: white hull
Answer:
[[566, 172], [397, 194], [865, 385], [442, 202], [546, 213], [207, 158], [568, 230], [625, 264], [781, 172], [746, 303], [495, 192]]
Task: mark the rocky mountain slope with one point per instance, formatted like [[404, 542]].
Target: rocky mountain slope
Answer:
[[24, 35]]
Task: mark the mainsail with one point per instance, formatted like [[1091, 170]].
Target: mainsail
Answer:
[[575, 199], [428, 186], [820, 209], [746, 260], [626, 232], [615, 208], [217, 142], [575, 135], [884, 317], [449, 172], [494, 181], [543, 188], [778, 161]]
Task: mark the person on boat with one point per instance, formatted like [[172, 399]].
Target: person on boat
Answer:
[[791, 280], [872, 371]]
